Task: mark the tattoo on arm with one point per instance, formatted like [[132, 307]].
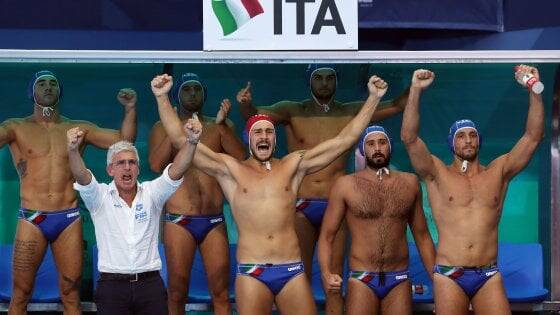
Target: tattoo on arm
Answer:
[[25, 253], [22, 168], [301, 153]]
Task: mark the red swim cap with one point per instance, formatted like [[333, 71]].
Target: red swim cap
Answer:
[[255, 119]]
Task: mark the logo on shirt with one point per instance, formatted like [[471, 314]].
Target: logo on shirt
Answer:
[[140, 214]]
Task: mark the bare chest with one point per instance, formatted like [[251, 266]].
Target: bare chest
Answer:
[[306, 132], [35, 141], [264, 187], [485, 189], [373, 200]]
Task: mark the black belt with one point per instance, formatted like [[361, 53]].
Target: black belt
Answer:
[[131, 277]]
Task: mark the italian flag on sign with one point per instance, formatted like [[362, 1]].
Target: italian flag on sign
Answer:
[[232, 14]]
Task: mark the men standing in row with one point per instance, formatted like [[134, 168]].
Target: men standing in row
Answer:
[[126, 215], [308, 123], [194, 215], [262, 191], [467, 199], [377, 204], [49, 212]]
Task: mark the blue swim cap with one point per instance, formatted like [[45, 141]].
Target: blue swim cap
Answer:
[[311, 68], [187, 78], [35, 77], [373, 129], [458, 125]]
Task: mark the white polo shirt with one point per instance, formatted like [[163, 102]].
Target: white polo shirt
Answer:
[[127, 237]]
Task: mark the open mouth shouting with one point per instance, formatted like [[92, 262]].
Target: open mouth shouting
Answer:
[[263, 146], [127, 179]]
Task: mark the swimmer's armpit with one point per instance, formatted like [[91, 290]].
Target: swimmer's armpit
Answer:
[[22, 168]]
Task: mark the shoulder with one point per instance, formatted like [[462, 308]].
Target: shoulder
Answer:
[[498, 162], [210, 121], [78, 123], [15, 122], [286, 107], [297, 155], [408, 177], [287, 104], [408, 180], [345, 180], [230, 161], [355, 105]]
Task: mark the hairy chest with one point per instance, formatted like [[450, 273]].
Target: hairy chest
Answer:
[[381, 199]]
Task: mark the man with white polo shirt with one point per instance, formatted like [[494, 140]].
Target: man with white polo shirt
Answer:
[[126, 215]]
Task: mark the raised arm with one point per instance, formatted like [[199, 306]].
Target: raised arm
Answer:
[[160, 148], [323, 154], [385, 109], [161, 85], [75, 137], [127, 97], [230, 143], [421, 233], [279, 112], [183, 158], [7, 134], [104, 138], [523, 150], [334, 215], [420, 157], [205, 159]]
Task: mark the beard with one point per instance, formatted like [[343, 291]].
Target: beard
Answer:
[[190, 107], [468, 156], [378, 161]]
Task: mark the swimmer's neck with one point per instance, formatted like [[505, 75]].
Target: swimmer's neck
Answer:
[[187, 114], [39, 117], [379, 173], [260, 165], [374, 170], [319, 102], [473, 167]]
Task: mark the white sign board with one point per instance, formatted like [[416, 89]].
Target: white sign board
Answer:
[[280, 24]]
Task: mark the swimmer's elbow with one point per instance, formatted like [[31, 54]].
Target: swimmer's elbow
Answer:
[[408, 138]]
